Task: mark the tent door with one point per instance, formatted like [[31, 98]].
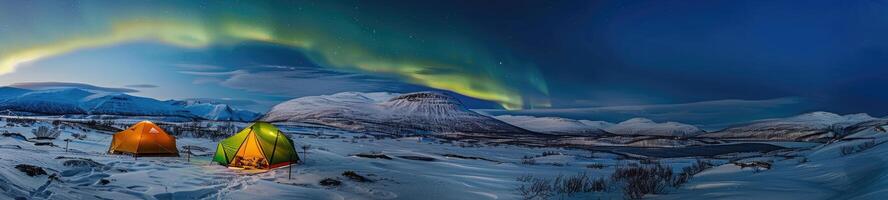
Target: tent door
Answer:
[[250, 155]]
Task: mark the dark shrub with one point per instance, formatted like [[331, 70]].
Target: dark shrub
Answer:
[[418, 158], [536, 189], [528, 161], [330, 182], [355, 176], [846, 150], [690, 171], [30, 170], [373, 155], [543, 188], [642, 180], [599, 185], [596, 166]]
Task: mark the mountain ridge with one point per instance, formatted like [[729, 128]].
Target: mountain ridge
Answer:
[[811, 126], [418, 112], [77, 101]]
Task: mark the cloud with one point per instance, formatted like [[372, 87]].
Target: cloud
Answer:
[[198, 67], [53, 85], [709, 115], [296, 81], [206, 80], [204, 73], [140, 86]]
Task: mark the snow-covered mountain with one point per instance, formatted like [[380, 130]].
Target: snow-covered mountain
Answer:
[[814, 126], [75, 101], [216, 111], [642, 126], [7, 92], [557, 125], [421, 112]]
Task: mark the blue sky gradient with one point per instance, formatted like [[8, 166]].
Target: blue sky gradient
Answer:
[[825, 55]]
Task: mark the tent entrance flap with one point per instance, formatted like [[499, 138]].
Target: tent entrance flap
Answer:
[[250, 155]]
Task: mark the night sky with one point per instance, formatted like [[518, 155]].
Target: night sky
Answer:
[[783, 57]]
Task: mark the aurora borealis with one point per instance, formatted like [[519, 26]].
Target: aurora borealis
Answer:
[[329, 35], [824, 55]]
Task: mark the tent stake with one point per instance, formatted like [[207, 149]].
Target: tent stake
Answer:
[[290, 171]]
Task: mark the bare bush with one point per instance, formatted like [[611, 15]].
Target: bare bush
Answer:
[[690, 171], [599, 184], [527, 160], [596, 166], [803, 160], [642, 180], [543, 188], [551, 153], [79, 136], [44, 132], [847, 150], [648, 161], [757, 166], [525, 178], [536, 189]]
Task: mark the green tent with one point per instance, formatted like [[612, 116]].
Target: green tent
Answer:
[[259, 146]]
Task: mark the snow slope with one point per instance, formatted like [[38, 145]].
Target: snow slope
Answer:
[[420, 112], [556, 125], [825, 173], [75, 101], [814, 126], [7, 92], [642, 126], [478, 172], [445, 177]]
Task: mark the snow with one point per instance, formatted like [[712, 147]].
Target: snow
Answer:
[[215, 111], [556, 125], [813, 126], [825, 172], [634, 126], [331, 155], [642, 126], [7, 92], [76, 101], [420, 112]]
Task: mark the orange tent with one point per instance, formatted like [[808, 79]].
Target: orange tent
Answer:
[[144, 139]]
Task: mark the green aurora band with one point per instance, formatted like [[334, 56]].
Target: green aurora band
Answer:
[[330, 35]]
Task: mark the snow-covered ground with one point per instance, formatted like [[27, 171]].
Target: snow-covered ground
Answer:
[[332, 152], [820, 172], [419, 168]]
